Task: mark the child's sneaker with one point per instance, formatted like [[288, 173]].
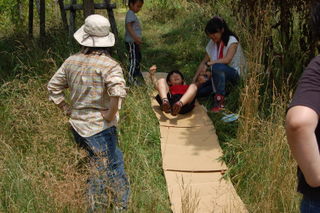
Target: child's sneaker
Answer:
[[117, 209], [218, 103]]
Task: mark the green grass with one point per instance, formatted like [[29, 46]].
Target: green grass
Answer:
[[41, 168]]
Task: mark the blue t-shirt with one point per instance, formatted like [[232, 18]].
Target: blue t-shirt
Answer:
[[132, 18]]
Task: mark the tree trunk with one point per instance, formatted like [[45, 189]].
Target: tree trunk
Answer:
[[19, 9], [42, 19], [38, 7], [72, 20], [88, 7], [63, 15], [30, 18], [112, 20]]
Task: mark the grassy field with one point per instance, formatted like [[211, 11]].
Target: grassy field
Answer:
[[42, 170]]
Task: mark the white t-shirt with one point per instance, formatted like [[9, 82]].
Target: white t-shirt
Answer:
[[238, 60]]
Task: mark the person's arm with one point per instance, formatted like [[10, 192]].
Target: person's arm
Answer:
[[228, 58], [110, 113], [116, 88], [202, 67], [56, 87], [301, 123], [132, 33]]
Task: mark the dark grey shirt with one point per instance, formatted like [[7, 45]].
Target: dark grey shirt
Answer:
[[308, 94], [132, 18]]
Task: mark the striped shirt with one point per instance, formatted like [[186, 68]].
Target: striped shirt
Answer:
[[92, 80]]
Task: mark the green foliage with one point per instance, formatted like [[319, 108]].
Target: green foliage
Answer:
[[289, 44], [42, 169]]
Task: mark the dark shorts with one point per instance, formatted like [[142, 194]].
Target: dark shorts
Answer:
[[174, 98], [309, 205]]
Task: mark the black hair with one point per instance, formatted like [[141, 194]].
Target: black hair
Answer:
[[216, 24], [174, 72], [96, 50], [133, 2], [315, 19]]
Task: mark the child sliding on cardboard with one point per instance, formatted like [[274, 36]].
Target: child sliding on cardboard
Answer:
[[174, 95]]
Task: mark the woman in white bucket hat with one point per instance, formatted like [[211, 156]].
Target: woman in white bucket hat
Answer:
[[95, 32], [96, 86]]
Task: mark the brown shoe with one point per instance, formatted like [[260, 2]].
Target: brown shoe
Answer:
[[165, 106], [176, 108]]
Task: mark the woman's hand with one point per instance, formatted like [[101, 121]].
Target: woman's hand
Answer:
[[65, 108], [210, 63], [202, 79], [110, 113], [201, 68], [106, 115]]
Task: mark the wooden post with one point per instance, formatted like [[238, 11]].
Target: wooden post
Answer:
[[19, 12], [63, 15], [30, 18], [88, 7], [98, 6], [112, 19], [72, 20], [125, 3], [42, 19], [38, 7]]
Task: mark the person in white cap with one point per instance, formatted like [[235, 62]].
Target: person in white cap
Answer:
[[96, 85]]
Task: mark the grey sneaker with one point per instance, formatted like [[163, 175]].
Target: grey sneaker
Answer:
[[117, 209]]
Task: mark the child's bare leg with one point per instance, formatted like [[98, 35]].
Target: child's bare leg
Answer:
[[190, 94], [163, 88], [185, 99]]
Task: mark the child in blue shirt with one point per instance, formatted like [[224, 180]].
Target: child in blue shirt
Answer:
[[133, 38]]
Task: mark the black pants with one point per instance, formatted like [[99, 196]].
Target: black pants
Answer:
[[134, 60], [175, 98]]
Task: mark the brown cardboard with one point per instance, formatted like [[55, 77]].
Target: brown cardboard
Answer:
[[191, 152], [197, 117], [202, 192], [191, 149], [157, 75]]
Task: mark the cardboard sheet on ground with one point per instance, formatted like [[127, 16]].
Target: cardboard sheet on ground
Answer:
[[202, 193], [158, 75], [190, 152], [197, 117], [191, 149]]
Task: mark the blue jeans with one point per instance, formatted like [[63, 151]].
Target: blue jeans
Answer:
[[309, 206], [221, 75], [107, 178]]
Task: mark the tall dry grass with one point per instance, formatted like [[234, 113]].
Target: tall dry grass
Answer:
[[264, 171], [41, 165]]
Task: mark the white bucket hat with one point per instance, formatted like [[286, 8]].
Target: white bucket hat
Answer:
[[95, 32]]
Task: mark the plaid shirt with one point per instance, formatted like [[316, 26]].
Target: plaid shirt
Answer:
[[92, 80]]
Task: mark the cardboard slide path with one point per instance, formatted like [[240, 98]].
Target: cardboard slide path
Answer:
[[191, 162]]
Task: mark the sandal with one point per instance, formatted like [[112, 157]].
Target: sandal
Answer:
[[165, 106], [176, 108]]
